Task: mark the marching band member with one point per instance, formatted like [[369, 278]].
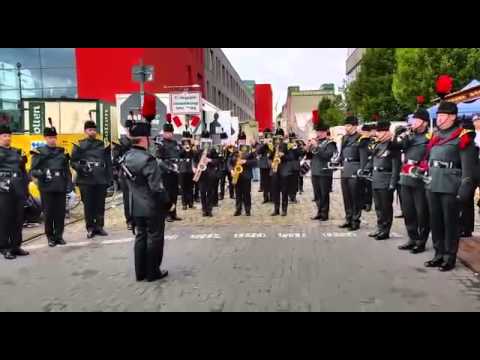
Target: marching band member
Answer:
[[240, 166], [320, 151], [265, 153], [186, 170]]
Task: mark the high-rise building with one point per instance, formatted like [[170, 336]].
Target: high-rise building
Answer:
[[354, 58]]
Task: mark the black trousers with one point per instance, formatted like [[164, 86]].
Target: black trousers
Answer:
[[280, 190], [293, 185], [93, 198], [186, 183], [416, 214], [352, 200], [444, 222], [207, 191], [54, 209], [170, 182], [243, 193], [384, 209], [467, 217], [321, 189], [223, 179], [300, 183], [126, 200], [11, 221], [196, 191], [149, 243], [266, 184], [366, 190], [231, 187], [215, 194]]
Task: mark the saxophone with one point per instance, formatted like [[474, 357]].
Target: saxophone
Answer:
[[237, 170], [202, 166], [276, 160]]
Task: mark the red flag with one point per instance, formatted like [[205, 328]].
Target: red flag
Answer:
[[177, 121], [169, 118], [149, 110], [195, 121]]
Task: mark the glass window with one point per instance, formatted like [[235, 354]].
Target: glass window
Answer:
[[59, 77], [57, 57], [28, 57], [58, 92]]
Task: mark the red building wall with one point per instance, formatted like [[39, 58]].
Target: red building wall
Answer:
[[264, 106], [104, 72]]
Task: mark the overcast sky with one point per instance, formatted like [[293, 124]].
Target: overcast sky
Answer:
[[282, 67]]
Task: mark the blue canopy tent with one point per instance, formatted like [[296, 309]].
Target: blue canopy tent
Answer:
[[465, 109]]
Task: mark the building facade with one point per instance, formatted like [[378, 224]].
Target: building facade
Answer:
[[354, 58], [264, 106], [224, 87], [297, 111], [101, 73]]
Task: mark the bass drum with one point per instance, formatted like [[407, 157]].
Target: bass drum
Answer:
[[304, 168]]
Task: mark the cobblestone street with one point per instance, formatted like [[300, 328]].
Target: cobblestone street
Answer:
[[223, 263]]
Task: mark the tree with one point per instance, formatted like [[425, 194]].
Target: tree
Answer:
[[371, 93], [331, 112], [417, 70]]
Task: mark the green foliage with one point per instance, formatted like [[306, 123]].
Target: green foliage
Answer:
[[331, 112], [417, 70], [371, 92]]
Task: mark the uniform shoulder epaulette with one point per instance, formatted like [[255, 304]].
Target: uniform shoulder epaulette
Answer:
[[465, 140], [34, 152]]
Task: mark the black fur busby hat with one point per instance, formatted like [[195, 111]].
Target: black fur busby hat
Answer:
[[242, 136], [447, 107], [279, 132], [367, 127], [321, 127], [187, 135], [139, 129], [351, 120], [205, 134], [50, 131], [90, 125], [223, 136], [423, 114], [383, 125], [168, 127], [5, 129]]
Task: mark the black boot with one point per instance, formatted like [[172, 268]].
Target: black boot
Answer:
[[345, 225], [408, 246], [317, 217], [59, 239], [90, 233], [100, 231], [276, 212], [238, 212], [51, 241]]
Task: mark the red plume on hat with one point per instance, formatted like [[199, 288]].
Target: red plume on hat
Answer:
[[195, 121], [375, 117], [444, 85], [149, 110], [420, 100], [177, 121], [315, 117]]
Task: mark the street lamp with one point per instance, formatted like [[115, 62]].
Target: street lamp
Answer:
[[20, 103]]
